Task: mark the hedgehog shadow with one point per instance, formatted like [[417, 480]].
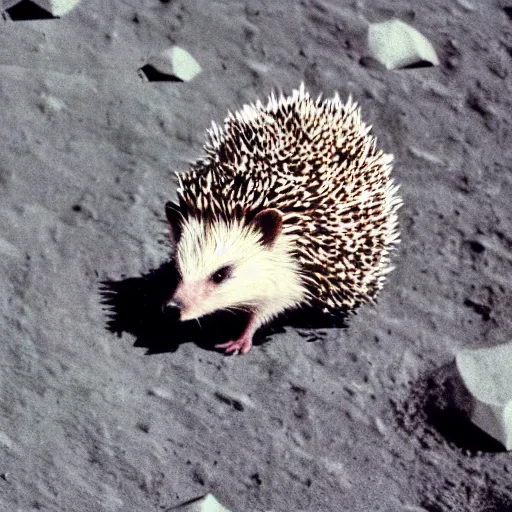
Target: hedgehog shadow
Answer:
[[134, 305]]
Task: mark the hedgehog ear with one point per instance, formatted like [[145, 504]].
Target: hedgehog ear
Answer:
[[175, 219], [270, 223]]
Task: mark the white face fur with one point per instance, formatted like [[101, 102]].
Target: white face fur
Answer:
[[228, 266]]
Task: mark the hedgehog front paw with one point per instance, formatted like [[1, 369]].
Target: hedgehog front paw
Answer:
[[242, 345]]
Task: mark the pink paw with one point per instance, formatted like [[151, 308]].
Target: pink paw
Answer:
[[242, 345]]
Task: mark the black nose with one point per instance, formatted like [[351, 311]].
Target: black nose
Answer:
[[171, 307]]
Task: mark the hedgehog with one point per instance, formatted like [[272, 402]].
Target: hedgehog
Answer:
[[291, 206]]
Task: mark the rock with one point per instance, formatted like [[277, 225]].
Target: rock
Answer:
[[486, 375], [207, 503], [57, 7], [466, 5], [173, 64], [395, 45]]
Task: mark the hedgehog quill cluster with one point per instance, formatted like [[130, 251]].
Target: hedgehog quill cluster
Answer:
[[292, 206]]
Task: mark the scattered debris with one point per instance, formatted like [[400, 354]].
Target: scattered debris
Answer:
[[235, 403], [397, 45], [25, 10], [425, 155], [207, 503], [173, 65], [486, 375]]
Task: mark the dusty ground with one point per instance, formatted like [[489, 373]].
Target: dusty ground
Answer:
[[353, 421]]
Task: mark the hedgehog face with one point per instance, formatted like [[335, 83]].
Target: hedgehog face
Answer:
[[233, 266]]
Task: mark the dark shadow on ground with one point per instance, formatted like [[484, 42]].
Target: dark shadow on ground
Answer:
[[134, 305], [440, 406], [419, 65], [448, 408], [27, 10], [151, 74]]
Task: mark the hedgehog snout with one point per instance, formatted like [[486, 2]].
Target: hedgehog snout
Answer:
[[186, 301], [172, 307]]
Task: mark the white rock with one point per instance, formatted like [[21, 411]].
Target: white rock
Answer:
[[487, 375], [176, 62], [207, 503], [395, 45], [57, 7]]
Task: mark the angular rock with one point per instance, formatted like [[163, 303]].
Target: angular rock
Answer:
[[486, 373], [174, 64], [57, 7], [207, 503], [396, 45]]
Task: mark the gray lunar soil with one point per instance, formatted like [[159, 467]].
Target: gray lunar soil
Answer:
[[332, 419]]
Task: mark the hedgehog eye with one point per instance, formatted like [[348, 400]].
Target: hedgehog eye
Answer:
[[221, 275]]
